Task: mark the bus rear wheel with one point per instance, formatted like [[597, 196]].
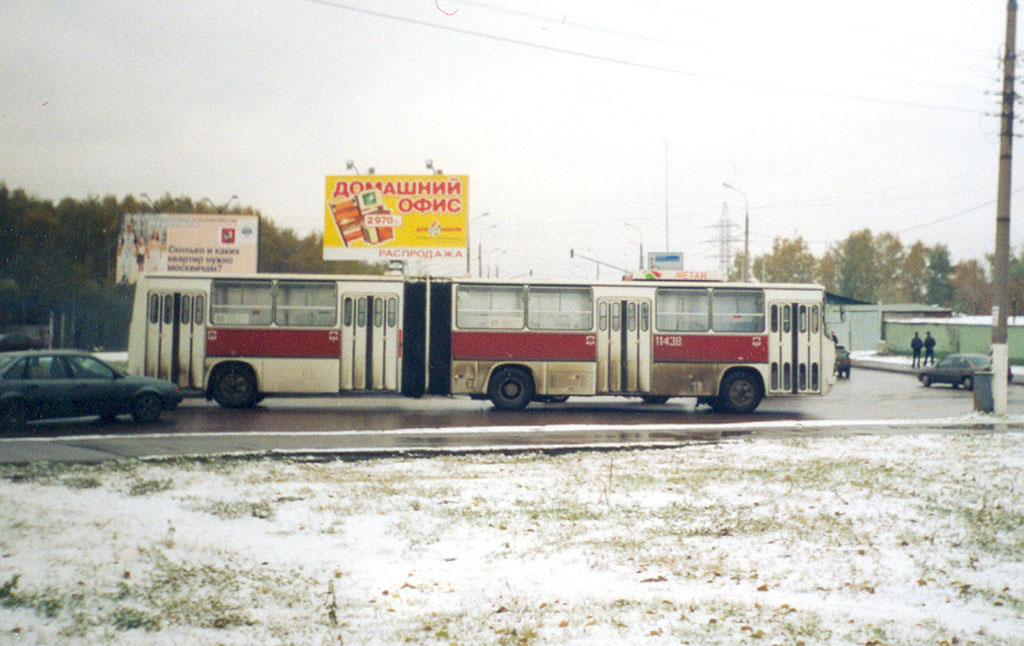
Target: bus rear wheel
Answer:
[[235, 387], [510, 389], [739, 393]]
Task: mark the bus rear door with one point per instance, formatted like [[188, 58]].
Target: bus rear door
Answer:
[[794, 351], [369, 342], [623, 346], [176, 337]]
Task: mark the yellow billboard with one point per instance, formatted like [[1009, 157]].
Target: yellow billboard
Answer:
[[395, 217]]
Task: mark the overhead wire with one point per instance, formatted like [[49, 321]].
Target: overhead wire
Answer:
[[335, 4]]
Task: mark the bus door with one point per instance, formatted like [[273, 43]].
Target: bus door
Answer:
[[176, 337], [794, 347], [369, 342], [623, 346]]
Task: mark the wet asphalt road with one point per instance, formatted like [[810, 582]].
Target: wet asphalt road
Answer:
[[359, 426]]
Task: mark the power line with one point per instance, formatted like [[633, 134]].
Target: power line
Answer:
[[647, 66]]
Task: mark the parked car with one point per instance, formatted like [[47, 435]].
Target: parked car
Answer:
[[842, 362], [14, 341], [957, 370], [51, 384]]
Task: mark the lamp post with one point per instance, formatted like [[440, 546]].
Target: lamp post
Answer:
[[153, 206], [351, 165], [640, 235], [233, 198], [746, 228], [479, 251], [430, 167], [469, 247]]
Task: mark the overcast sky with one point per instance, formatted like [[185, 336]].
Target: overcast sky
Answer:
[[830, 117]]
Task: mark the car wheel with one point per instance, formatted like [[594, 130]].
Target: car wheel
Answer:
[[967, 383], [147, 408], [926, 380], [235, 387], [739, 393], [654, 399], [12, 416], [510, 389]]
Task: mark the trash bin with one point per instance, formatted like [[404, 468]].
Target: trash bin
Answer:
[[983, 392]]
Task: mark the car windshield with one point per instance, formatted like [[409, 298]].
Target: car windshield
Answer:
[[947, 362], [979, 362], [6, 361]]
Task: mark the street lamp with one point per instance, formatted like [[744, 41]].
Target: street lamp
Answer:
[[233, 198], [469, 227], [153, 206], [430, 167], [746, 228], [640, 235], [351, 165], [479, 251]]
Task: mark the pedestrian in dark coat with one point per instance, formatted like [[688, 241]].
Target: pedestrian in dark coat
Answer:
[[916, 344], [929, 348]]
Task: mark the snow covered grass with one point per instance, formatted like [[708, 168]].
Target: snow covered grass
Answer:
[[861, 540]]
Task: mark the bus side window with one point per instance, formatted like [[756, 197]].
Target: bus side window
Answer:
[[200, 309], [775, 318], [348, 312], [631, 316], [803, 319], [186, 309], [361, 312], [815, 319], [785, 319], [154, 308], [616, 316], [645, 317], [378, 312], [602, 316], [168, 309]]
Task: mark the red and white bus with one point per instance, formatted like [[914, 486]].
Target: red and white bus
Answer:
[[242, 338]]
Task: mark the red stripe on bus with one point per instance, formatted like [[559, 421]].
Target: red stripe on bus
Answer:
[[717, 348], [225, 342], [525, 346]]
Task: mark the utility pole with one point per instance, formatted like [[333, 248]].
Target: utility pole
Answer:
[[1000, 278]]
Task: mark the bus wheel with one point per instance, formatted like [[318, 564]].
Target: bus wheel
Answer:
[[739, 393], [235, 387], [510, 389]]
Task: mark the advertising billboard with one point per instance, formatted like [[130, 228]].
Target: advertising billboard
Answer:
[[378, 218], [186, 242]]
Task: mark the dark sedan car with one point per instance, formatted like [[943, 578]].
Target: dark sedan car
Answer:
[[62, 383], [956, 370]]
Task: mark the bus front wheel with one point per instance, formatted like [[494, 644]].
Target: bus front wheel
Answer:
[[510, 389], [235, 387], [739, 393]]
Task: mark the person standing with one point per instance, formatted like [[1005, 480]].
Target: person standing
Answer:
[[916, 344], [929, 348]]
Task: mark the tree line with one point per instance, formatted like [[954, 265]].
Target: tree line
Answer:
[[879, 268], [58, 259]]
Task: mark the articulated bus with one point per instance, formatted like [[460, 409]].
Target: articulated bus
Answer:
[[238, 339]]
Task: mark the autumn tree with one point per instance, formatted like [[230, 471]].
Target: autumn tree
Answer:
[[971, 292], [913, 280], [789, 262], [858, 266], [889, 260], [938, 290]]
